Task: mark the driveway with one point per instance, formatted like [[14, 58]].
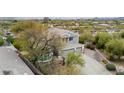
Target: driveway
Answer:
[[93, 67]]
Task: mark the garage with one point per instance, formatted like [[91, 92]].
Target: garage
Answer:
[[65, 52], [79, 49], [72, 48]]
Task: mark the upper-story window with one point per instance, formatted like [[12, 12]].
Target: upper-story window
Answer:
[[70, 38]]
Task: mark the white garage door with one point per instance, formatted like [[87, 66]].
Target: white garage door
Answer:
[[79, 49], [65, 52]]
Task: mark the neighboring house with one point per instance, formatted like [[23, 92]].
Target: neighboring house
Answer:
[[70, 40], [12, 64]]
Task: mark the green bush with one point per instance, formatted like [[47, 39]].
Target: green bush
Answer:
[[115, 47], [74, 59], [101, 39], [1, 33], [1, 41], [85, 37], [17, 44], [111, 67], [10, 39], [20, 44], [120, 73], [122, 34]]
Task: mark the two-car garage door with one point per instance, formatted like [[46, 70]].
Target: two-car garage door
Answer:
[[65, 52]]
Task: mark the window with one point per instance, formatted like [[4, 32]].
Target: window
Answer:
[[70, 38]]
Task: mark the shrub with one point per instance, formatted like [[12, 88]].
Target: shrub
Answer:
[[115, 47], [1, 33], [104, 61], [120, 73], [74, 59], [109, 56], [122, 34], [111, 67], [19, 44], [1, 41], [101, 39], [10, 39], [90, 46], [85, 37]]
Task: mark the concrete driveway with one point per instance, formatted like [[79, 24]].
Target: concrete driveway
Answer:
[[93, 67]]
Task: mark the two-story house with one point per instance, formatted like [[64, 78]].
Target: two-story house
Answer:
[[70, 40]]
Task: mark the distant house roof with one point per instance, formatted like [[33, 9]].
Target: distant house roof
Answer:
[[11, 63], [63, 32], [95, 22], [122, 23], [104, 24]]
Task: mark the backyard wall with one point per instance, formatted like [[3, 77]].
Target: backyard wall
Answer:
[[100, 57], [30, 65]]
